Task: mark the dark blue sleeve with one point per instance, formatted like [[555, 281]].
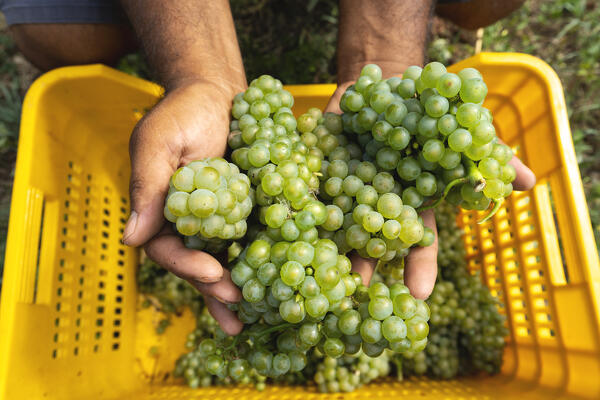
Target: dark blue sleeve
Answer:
[[62, 11]]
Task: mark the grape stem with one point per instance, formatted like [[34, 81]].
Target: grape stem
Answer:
[[271, 329], [474, 175], [497, 204], [449, 187]]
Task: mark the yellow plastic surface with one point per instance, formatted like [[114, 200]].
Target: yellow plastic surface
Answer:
[[70, 322]]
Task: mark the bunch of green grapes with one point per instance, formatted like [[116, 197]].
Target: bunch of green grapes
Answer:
[[209, 201], [482, 330], [297, 296], [430, 130], [376, 221], [451, 252], [350, 372]]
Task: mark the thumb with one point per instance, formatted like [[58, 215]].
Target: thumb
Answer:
[[151, 169]]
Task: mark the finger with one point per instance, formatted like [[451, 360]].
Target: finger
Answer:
[[192, 265], [226, 318], [525, 179], [420, 270], [364, 267], [224, 290], [152, 164]]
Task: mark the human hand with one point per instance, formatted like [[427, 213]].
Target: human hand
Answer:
[[191, 122], [420, 270]]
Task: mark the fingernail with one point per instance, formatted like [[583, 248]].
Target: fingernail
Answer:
[[130, 226]]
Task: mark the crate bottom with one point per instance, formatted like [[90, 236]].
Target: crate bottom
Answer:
[[488, 388]]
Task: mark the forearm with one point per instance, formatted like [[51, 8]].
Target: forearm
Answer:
[[389, 33], [189, 40]]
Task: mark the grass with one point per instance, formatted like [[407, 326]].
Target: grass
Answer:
[[300, 48]]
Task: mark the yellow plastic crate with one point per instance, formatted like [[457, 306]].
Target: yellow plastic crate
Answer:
[[70, 322]]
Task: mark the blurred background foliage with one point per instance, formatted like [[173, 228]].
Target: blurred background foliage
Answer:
[[296, 41]]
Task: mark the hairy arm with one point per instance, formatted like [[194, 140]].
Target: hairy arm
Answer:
[[192, 46], [188, 40]]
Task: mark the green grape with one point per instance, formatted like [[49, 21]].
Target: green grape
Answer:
[[387, 158], [408, 169], [318, 210], [428, 237], [281, 364], [426, 184], [427, 126], [177, 203], [292, 311], [483, 132], [410, 122], [473, 90], [436, 106], [448, 85], [508, 188], [354, 101], [381, 130], [469, 73], [376, 248], [292, 272], [416, 329], [367, 195], [276, 215], [202, 202], [460, 140], [380, 100], [501, 152], [413, 72], [414, 105], [258, 155], [327, 277], [351, 185], [357, 237], [393, 328], [396, 289], [378, 289], [334, 347], [258, 253], [253, 290], [360, 211], [507, 173], [306, 123], [383, 182], [343, 202], [469, 194], [494, 188], [333, 186], [489, 168], [301, 252], [406, 88], [335, 218], [305, 220], [294, 189], [338, 169], [316, 306], [412, 231], [309, 287], [411, 197], [373, 71], [207, 178], [475, 152], [389, 205], [447, 124], [362, 83], [366, 118], [391, 229], [450, 159], [433, 150], [289, 230], [468, 115], [405, 306], [372, 221], [431, 73], [399, 138], [370, 330], [380, 307], [395, 113], [183, 179], [188, 225], [266, 273]]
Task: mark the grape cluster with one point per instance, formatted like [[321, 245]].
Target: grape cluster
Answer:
[[209, 201], [350, 372], [430, 129], [301, 193]]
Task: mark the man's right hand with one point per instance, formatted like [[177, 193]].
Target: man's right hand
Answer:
[[190, 123]]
